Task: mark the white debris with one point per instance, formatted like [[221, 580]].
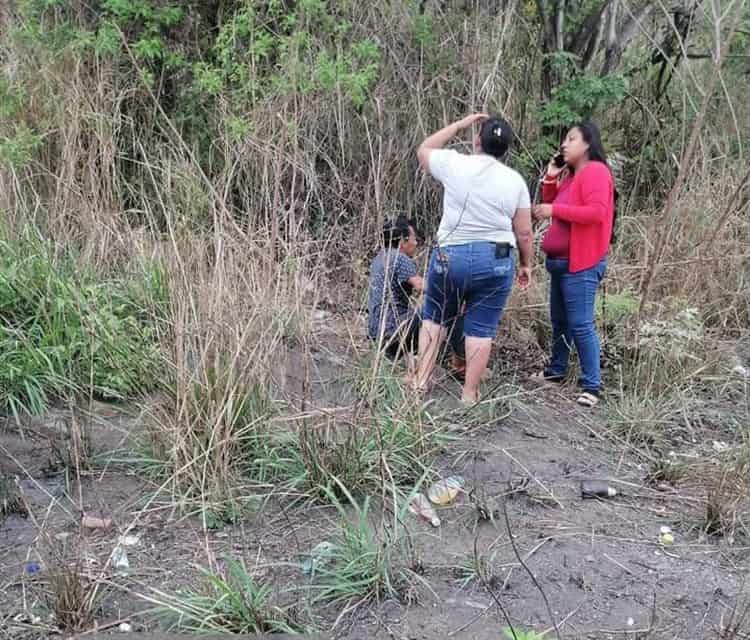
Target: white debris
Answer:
[[92, 522], [720, 446], [120, 560], [664, 530], [125, 627], [130, 541], [741, 371]]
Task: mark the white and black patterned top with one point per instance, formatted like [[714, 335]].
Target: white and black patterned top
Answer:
[[389, 291]]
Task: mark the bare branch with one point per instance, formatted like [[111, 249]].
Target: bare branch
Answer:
[[669, 207]]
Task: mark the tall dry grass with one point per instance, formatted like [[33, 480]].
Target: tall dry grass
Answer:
[[258, 231]]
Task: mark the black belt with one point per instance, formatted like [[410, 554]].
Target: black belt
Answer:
[[502, 249]]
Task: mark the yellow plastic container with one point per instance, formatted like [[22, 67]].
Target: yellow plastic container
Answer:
[[443, 492]]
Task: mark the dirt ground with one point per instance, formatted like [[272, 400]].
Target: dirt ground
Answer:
[[600, 563]]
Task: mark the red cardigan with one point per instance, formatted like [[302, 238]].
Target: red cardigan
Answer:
[[590, 212]]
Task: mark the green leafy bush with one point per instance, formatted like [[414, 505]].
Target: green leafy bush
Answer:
[[577, 98], [17, 140]]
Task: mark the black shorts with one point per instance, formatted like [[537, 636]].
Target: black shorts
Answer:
[[407, 340], [404, 341]]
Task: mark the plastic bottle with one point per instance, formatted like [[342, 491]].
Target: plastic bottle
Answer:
[[445, 491], [665, 536], [596, 489], [91, 522], [320, 555], [120, 561], [421, 506]]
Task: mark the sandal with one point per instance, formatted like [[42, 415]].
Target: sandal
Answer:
[[459, 375], [588, 398], [456, 368]]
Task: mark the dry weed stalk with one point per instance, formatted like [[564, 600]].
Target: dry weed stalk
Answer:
[[232, 322], [725, 503], [74, 596]]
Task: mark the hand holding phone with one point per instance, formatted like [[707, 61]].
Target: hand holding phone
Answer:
[[556, 165]]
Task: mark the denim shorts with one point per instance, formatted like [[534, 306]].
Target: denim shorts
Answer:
[[473, 275]]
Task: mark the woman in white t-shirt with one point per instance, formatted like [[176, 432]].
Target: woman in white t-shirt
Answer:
[[486, 214]]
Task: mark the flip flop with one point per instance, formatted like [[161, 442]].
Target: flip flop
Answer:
[[588, 399]]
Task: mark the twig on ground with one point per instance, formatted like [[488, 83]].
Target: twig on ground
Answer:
[[507, 579], [619, 564], [652, 622], [533, 477], [475, 619], [564, 620], [526, 567], [491, 591], [100, 627]]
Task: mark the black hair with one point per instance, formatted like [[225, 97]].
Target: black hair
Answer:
[[592, 136], [496, 136], [394, 231]]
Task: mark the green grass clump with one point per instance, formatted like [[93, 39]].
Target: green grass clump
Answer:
[[367, 559], [210, 433], [234, 603], [478, 567], [393, 443], [64, 330]]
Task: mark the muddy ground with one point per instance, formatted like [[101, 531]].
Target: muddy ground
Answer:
[[600, 563]]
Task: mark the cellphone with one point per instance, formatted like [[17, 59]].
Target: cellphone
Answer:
[[559, 160]]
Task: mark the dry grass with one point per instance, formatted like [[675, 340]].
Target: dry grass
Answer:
[[233, 315], [74, 597], [268, 228], [727, 508], [738, 625], [11, 500]]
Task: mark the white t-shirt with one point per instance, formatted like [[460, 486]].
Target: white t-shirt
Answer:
[[481, 197]]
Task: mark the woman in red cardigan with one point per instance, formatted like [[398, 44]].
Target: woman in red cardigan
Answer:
[[579, 199]]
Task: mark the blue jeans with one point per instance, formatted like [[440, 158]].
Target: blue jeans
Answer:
[[471, 274], [571, 303]]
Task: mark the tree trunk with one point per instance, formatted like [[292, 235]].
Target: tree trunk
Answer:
[[560, 25], [618, 36], [553, 24], [587, 38], [614, 51]]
